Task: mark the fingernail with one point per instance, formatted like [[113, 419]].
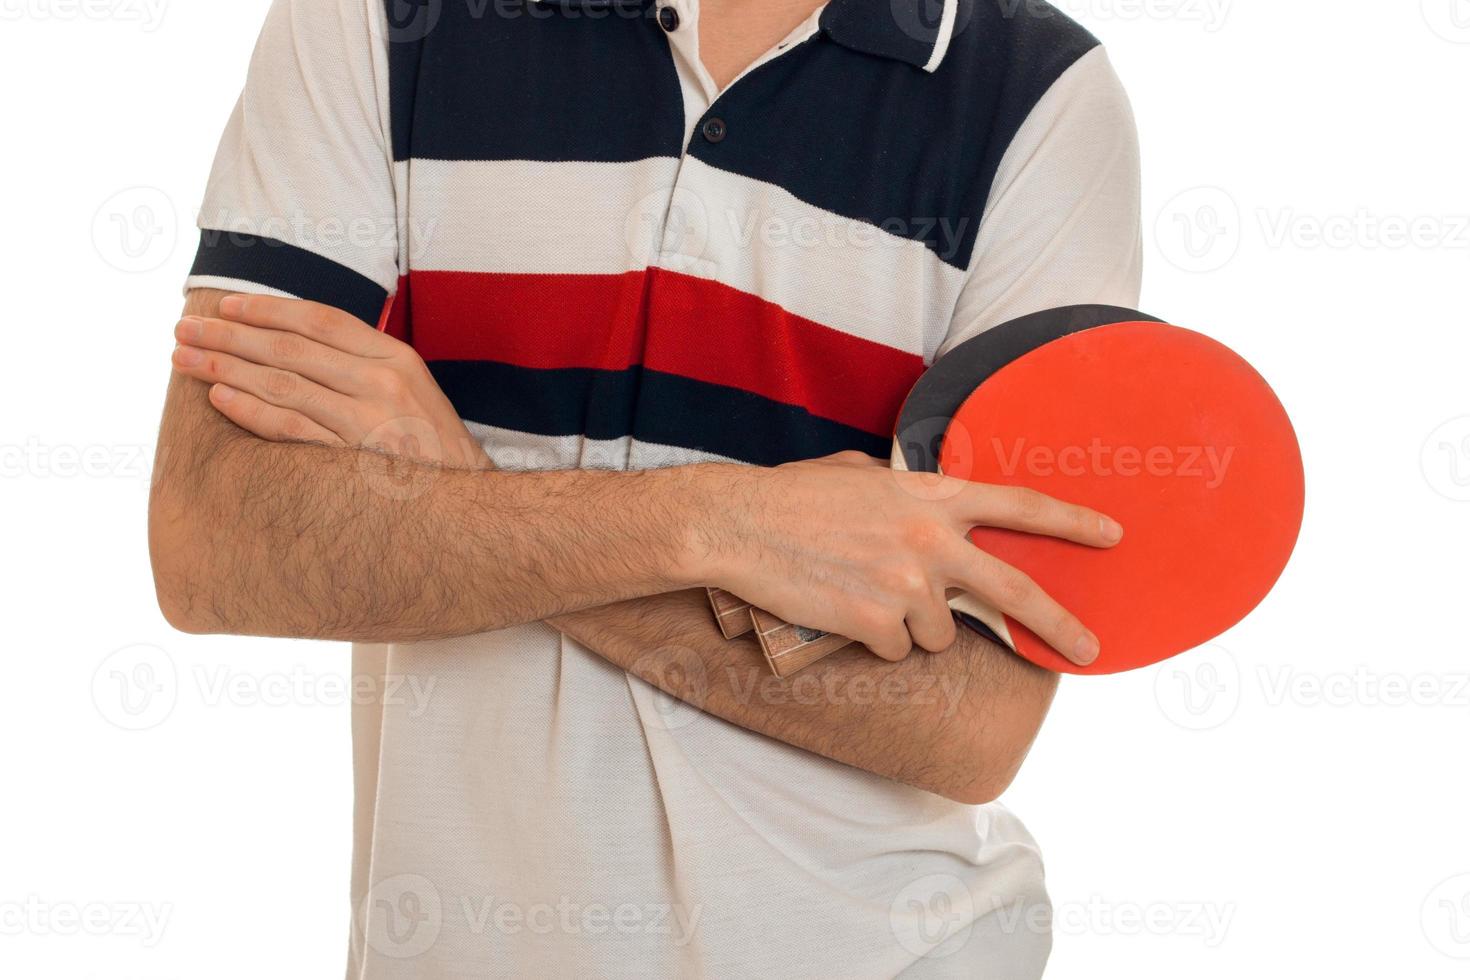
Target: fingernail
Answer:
[[1112, 531], [190, 328], [232, 306], [1087, 649], [188, 356], [223, 393]]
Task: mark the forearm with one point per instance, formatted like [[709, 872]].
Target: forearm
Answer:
[[957, 723], [302, 540], [268, 517]]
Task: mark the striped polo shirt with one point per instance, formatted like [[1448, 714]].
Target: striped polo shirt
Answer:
[[608, 262]]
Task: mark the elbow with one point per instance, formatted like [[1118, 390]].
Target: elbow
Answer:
[[979, 788], [981, 765], [984, 752], [173, 551], [180, 613], [180, 608]]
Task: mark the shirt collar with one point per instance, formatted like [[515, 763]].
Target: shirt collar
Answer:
[[915, 31]]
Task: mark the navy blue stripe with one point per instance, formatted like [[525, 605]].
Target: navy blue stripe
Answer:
[[290, 269], [845, 122], [651, 406], [872, 139], [516, 80]]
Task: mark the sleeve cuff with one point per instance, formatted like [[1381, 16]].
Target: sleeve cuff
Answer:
[[286, 270]]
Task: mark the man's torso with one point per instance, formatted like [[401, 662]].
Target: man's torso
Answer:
[[609, 261]]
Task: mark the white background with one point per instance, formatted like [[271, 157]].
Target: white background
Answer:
[[1292, 801]]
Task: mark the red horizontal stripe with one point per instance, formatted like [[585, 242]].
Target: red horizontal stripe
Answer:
[[394, 321], [665, 321]]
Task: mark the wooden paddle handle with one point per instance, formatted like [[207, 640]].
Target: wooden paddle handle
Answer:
[[732, 613], [791, 649], [788, 649]]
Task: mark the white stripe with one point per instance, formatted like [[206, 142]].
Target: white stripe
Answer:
[[234, 286], [973, 607], [1061, 224], [598, 218], [946, 34], [515, 451], [524, 216], [305, 156]]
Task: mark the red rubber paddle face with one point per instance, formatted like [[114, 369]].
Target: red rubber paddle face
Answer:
[[1176, 437]]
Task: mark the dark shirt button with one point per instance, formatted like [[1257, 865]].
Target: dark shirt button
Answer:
[[668, 19], [714, 130]]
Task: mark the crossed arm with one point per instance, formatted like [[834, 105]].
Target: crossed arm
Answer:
[[958, 723], [324, 539]]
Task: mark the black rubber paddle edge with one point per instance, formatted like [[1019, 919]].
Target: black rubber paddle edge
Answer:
[[946, 386]]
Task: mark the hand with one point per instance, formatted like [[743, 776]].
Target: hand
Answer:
[[293, 371], [845, 544]]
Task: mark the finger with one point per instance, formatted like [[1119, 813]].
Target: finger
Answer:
[[267, 420], [1023, 509], [324, 324], [282, 349], [852, 457], [284, 389], [932, 625], [888, 637], [1015, 594]]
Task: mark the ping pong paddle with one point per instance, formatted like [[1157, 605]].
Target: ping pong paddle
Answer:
[[1168, 431], [921, 423]]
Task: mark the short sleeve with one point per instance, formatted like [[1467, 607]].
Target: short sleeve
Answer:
[[301, 199], [1062, 223]]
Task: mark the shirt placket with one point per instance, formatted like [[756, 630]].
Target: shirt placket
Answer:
[[687, 213]]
